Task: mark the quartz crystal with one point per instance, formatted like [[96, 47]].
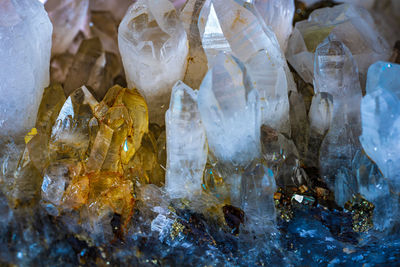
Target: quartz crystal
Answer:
[[351, 25], [186, 147], [230, 111], [380, 119], [68, 18], [154, 48], [336, 73], [227, 26], [116, 7], [278, 15], [25, 44]]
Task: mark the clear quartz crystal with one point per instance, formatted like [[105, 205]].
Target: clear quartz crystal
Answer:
[[381, 119], [276, 14], [154, 48], [25, 46], [230, 111], [230, 27], [336, 73], [351, 25], [186, 143]]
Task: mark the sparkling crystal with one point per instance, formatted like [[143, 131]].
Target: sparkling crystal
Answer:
[[230, 111], [351, 25], [25, 44], [186, 147], [68, 18], [154, 49], [336, 73]]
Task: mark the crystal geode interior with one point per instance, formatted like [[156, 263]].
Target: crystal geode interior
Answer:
[[199, 132]]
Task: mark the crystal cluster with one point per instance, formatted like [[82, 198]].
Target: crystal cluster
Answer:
[[173, 130]]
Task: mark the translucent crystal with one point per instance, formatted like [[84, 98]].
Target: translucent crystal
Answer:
[[336, 73], [25, 44], [186, 143], [230, 27], [70, 133], [117, 7], [278, 15], [230, 111], [154, 49], [380, 119], [257, 191], [104, 26], [68, 18], [351, 25], [52, 101], [92, 67]]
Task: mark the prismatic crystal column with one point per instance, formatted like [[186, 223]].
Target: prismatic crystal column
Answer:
[[25, 46]]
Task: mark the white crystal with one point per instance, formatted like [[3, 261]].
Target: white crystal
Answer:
[[352, 25], [154, 49], [186, 144], [25, 46], [321, 112], [230, 111]]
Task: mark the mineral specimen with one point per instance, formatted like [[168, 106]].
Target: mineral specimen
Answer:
[[351, 25], [186, 143], [25, 44], [153, 45]]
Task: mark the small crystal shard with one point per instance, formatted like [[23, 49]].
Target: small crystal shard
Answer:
[[186, 147], [25, 44], [154, 49]]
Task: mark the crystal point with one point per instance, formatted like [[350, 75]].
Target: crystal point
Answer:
[[186, 143], [154, 48]]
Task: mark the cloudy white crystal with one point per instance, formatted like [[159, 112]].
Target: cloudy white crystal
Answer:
[[186, 143], [154, 49], [25, 46]]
